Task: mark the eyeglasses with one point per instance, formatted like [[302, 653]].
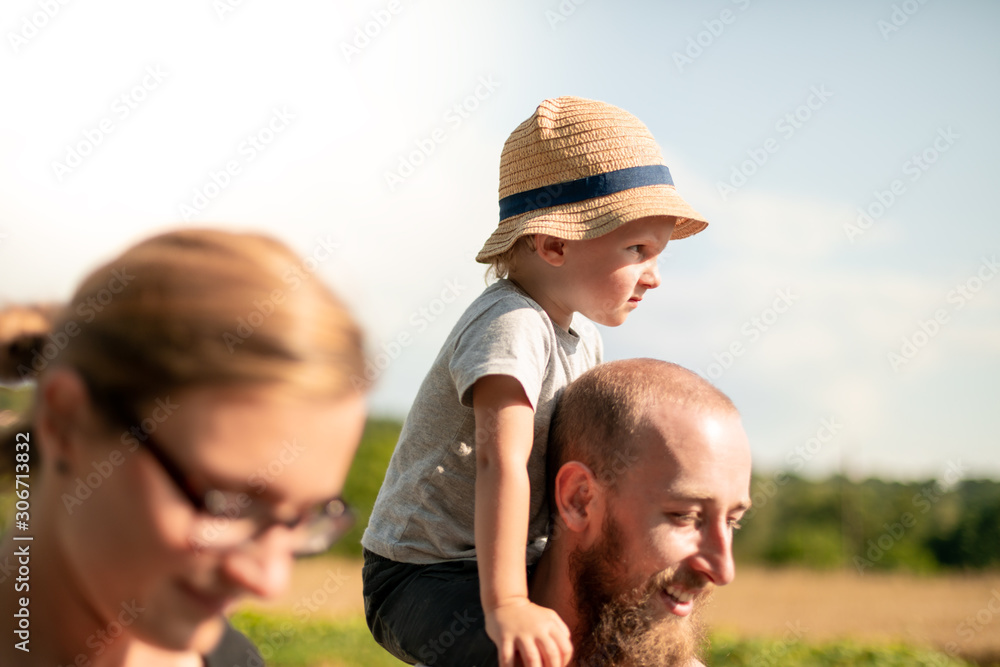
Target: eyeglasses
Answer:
[[227, 519]]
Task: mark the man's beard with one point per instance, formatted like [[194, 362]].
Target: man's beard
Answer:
[[622, 623]]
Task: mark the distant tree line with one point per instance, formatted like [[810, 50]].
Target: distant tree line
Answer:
[[868, 525], [872, 524]]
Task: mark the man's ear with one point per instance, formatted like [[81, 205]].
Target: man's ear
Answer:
[[61, 412], [551, 249], [576, 495]]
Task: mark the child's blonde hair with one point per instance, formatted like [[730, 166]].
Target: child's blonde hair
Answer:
[[502, 264]]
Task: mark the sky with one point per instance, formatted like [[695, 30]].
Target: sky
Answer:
[[844, 295]]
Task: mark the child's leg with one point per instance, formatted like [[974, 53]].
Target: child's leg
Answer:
[[427, 613]]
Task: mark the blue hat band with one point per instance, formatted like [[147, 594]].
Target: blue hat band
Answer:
[[582, 189]]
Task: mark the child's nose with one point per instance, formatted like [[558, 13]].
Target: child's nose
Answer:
[[651, 276]]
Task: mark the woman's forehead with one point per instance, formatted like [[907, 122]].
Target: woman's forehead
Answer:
[[259, 438]]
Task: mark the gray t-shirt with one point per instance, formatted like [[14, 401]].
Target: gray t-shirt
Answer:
[[425, 510]]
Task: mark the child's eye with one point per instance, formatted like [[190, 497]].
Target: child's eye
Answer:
[[734, 524], [635, 248]]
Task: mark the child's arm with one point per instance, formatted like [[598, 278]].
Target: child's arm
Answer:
[[504, 436]]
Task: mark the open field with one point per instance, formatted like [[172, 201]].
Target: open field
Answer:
[[792, 604], [935, 611]]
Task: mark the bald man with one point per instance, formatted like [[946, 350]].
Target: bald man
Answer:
[[649, 475]]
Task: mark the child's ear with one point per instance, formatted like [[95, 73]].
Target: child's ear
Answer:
[[551, 249], [576, 495]]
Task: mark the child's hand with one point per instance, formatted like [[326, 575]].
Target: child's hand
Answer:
[[534, 633]]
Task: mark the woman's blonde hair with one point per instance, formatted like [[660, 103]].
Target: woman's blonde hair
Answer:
[[199, 307]]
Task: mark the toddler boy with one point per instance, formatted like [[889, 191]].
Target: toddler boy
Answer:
[[586, 207]]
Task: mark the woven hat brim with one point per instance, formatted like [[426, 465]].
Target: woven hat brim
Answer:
[[595, 217]]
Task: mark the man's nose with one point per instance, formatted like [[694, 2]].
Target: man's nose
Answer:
[[263, 566], [714, 557]]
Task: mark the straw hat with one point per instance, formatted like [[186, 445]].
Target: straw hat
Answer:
[[577, 169]]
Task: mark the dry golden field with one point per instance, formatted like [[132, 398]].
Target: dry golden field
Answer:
[[945, 612], [941, 612]]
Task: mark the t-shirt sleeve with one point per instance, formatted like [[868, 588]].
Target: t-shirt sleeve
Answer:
[[506, 339]]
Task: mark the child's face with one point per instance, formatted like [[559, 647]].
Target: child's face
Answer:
[[609, 275]]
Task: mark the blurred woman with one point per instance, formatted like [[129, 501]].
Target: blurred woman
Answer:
[[198, 405]]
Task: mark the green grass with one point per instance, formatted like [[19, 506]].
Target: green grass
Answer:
[[365, 478], [17, 399], [732, 652], [287, 641]]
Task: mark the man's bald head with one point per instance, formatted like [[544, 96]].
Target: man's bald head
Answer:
[[609, 406]]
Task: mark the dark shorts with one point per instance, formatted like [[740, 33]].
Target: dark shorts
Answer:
[[427, 613]]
